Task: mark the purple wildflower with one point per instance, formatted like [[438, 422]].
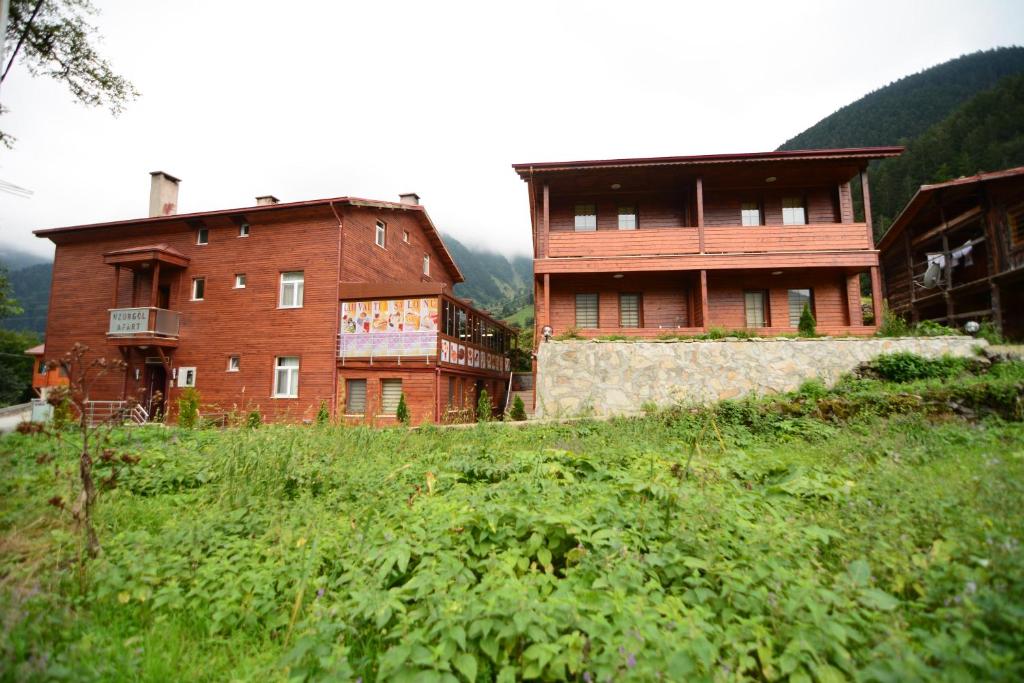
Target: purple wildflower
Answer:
[[587, 677], [320, 593], [631, 660]]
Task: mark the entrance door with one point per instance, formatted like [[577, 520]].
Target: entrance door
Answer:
[[156, 384]]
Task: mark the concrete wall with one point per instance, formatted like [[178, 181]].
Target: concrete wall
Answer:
[[617, 378]]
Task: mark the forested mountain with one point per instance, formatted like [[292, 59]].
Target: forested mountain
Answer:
[[31, 288], [500, 284], [906, 108], [959, 118]]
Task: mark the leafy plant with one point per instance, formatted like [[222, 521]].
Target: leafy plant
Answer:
[[569, 333], [402, 412], [518, 412], [892, 325], [323, 415], [188, 408], [907, 367], [930, 328], [807, 326], [254, 419], [484, 410]]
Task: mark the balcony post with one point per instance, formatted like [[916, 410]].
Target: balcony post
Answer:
[[866, 192], [547, 221], [700, 213], [876, 295], [704, 300], [155, 285], [117, 283], [547, 299], [853, 310]]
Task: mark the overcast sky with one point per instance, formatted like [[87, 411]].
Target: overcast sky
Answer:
[[318, 99]]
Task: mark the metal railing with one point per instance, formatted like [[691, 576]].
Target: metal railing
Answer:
[[144, 321]]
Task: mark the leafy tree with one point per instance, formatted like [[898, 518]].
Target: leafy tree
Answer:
[[323, 416], [53, 38], [807, 326], [518, 412], [8, 305], [188, 409], [15, 366], [483, 407], [402, 412]]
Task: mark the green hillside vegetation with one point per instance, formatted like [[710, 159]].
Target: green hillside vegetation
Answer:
[[495, 282], [31, 287], [871, 533]]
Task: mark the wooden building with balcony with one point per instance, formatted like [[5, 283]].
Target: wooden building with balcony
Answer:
[[677, 245], [956, 253], [247, 305]]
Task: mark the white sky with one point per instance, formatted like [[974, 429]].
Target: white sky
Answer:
[[306, 100]]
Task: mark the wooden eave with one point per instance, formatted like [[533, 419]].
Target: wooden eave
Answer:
[[137, 256]]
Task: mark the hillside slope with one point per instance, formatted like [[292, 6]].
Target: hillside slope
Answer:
[[493, 281], [906, 108]]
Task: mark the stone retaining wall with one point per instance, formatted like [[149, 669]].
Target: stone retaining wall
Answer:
[[618, 378]]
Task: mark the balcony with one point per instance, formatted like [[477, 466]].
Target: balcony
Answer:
[[144, 325]]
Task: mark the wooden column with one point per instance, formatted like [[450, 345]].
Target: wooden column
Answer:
[[866, 192], [117, 284], [853, 310], [156, 284], [700, 214], [547, 221], [948, 267], [876, 295], [994, 250], [547, 299], [704, 299]]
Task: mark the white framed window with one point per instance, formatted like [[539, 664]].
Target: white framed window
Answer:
[[426, 264], [203, 236], [797, 299], [186, 377], [754, 308], [234, 363], [381, 234], [243, 229], [390, 395], [627, 217], [405, 236], [793, 212], [750, 214], [586, 310], [585, 217], [292, 285], [239, 280], [198, 288], [355, 397], [286, 377]]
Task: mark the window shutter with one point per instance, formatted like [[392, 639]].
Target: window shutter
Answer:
[[586, 310], [391, 392], [355, 397], [797, 299]]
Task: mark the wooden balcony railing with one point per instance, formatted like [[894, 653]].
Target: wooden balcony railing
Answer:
[[144, 322]]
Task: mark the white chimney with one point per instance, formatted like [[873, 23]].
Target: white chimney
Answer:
[[267, 199], [163, 194], [409, 198]]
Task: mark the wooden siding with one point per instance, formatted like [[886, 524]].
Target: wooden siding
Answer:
[[722, 207], [624, 242], [852, 259], [653, 210], [665, 300], [419, 386], [364, 261], [768, 238]]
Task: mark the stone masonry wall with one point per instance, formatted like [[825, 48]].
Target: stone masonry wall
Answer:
[[617, 378]]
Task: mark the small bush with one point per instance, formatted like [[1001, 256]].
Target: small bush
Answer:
[[253, 420], [402, 412], [807, 326], [518, 412], [892, 324], [570, 333], [989, 333], [930, 328], [483, 407], [188, 409], [907, 367], [323, 416]]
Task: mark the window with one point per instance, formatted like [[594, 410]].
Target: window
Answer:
[[426, 264], [797, 299], [753, 307], [627, 217], [203, 236], [586, 310], [186, 377], [198, 288], [355, 397], [405, 237], [286, 377], [234, 363], [451, 392], [585, 217], [793, 212], [381, 233], [239, 280], [390, 394], [42, 367], [1015, 222], [243, 229], [750, 213], [291, 289], [629, 310]]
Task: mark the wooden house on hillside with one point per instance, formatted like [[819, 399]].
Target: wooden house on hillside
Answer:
[[956, 253]]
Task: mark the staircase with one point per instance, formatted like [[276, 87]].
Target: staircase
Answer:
[[522, 386]]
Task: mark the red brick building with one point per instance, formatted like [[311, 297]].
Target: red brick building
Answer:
[[644, 247], [245, 305]]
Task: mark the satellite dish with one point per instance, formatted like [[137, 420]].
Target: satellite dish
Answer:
[[932, 275]]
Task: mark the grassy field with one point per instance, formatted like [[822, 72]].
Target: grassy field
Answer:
[[872, 533]]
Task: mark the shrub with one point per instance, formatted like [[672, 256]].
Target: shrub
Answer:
[[188, 409], [892, 324], [518, 412], [930, 328], [483, 407], [907, 367], [402, 412], [253, 420], [807, 326], [570, 333], [323, 416], [989, 333]]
